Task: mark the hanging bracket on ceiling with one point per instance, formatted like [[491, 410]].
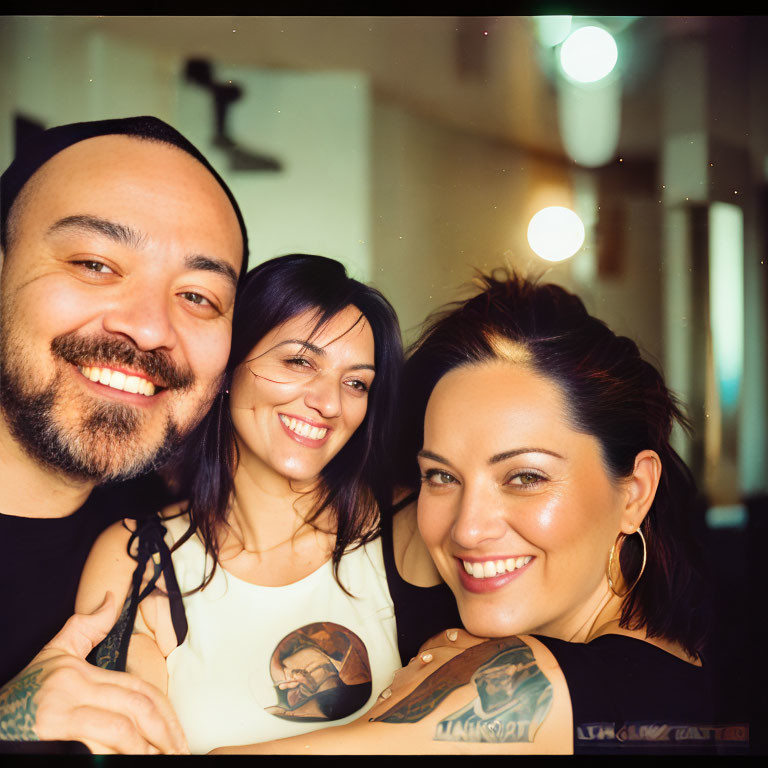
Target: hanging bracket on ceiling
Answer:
[[200, 72]]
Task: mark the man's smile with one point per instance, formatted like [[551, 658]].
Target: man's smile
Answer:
[[118, 380]]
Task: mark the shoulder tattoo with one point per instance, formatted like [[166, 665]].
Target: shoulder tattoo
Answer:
[[513, 695]]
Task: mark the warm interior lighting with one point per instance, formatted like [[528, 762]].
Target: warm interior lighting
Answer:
[[589, 54], [555, 233]]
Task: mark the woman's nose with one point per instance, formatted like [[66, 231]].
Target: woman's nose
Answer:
[[479, 518], [324, 395]]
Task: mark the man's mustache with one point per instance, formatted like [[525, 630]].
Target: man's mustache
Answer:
[[107, 352]]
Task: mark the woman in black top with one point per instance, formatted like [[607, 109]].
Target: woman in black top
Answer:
[[556, 510]]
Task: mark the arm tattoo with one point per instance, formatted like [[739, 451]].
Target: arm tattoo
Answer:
[[514, 697], [105, 654], [18, 708]]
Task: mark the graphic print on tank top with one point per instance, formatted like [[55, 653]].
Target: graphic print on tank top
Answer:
[[320, 671]]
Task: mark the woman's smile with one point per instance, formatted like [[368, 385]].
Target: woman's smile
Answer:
[[485, 575], [305, 431]]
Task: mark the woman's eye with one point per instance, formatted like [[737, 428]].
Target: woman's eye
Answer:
[[438, 477], [359, 386], [526, 479], [299, 362]]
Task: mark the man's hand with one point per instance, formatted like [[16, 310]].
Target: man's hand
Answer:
[[59, 696]]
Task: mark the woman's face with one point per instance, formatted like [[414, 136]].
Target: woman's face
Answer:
[[295, 402], [516, 508]]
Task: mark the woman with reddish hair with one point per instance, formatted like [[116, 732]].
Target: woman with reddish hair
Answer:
[[555, 508]]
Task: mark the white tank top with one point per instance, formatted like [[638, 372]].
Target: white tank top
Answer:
[[262, 663]]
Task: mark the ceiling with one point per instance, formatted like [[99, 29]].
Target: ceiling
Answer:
[[486, 75]]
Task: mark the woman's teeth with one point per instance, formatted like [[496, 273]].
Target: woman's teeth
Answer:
[[490, 568], [118, 380], [304, 429]]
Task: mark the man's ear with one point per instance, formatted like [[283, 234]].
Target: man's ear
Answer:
[[640, 488]]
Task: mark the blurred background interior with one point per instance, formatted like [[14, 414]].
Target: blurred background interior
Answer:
[[623, 157]]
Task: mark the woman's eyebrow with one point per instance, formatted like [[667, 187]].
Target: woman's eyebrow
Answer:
[[434, 456], [320, 351], [303, 343], [495, 459]]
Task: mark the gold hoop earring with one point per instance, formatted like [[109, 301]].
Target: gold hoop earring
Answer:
[[610, 563]]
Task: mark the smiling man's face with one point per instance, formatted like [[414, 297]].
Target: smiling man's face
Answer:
[[117, 294]]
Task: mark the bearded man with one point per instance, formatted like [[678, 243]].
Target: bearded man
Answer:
[[121, 254]]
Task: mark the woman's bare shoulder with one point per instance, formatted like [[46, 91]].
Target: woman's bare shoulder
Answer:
[[411, 554]]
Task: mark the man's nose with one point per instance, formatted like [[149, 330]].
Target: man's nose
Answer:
[[144, 314]]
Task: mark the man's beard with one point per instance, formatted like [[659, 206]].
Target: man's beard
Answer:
[[106, 441]]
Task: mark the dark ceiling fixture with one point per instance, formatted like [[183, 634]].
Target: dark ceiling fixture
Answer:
[[200, 72], [25, 130]]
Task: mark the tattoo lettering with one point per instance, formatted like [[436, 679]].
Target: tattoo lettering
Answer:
[[18, 708], [514, 698], [453, 674]]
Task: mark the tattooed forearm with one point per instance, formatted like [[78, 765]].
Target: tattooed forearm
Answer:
[[18, 708], [514, 697], [453, 674]]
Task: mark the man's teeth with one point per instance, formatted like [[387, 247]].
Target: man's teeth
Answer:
[[304, 429], [118, 380], [490, 568]]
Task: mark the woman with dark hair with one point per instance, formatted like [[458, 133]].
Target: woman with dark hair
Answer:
[[561, 518], [273, 608]]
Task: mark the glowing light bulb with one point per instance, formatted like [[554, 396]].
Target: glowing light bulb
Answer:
[[552, 30], [589, 54], [555, 233]]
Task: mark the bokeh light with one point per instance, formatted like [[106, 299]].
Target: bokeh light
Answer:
[[555, 233], [589, 54], [552, 30]]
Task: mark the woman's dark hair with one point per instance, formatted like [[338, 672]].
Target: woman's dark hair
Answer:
[[612, 394], [357, 482]]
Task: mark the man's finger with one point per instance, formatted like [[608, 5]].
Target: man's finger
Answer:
[[149, 713], [84, 631], [105, 732], [158, 722]]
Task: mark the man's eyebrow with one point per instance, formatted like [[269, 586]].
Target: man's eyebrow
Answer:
[[509, 454], [120, 233], [208, 264], [125, 235]]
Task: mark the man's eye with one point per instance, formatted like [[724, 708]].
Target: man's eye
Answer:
[[195, 298], [94, 266], [437, 477]]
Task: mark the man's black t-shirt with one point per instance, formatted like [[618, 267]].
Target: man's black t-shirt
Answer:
[[41, 560]]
